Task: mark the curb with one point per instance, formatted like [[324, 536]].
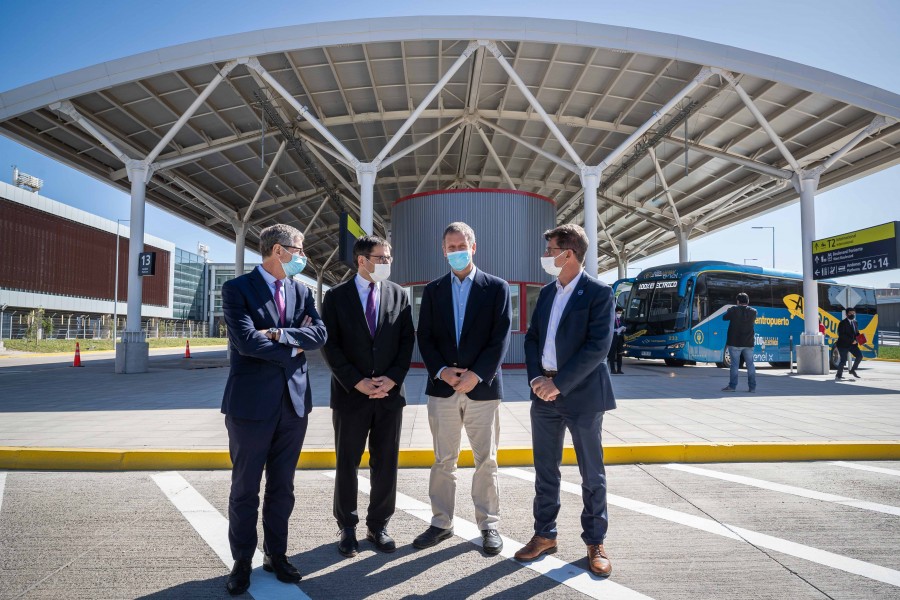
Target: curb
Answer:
[[109, 459], [199, 348]]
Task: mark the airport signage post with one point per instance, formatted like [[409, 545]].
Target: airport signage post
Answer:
[[349, 231], [147, 264], [857, 252]]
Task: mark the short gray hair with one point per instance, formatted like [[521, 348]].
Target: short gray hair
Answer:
[[278, 234], [460, 227]]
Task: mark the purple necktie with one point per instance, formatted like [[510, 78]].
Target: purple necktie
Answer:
[[279, 302], [370, 309]]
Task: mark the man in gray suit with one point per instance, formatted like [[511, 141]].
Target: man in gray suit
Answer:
[[566, 347]]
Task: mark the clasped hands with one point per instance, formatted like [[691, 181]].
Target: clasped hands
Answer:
[[462, 381], [544, 388], [376, 387]]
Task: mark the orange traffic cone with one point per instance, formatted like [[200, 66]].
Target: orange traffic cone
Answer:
[[77, 362], [187, 349]]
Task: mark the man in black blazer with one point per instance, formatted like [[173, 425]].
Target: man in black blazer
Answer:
[[847, 342], [566, 347], [369, 348], [272, 321], [463, 335]]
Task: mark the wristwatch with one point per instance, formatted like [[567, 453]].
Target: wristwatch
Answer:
[[274, 331]]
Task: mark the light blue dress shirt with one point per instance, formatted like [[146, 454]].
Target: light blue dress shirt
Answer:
[[461, 291]]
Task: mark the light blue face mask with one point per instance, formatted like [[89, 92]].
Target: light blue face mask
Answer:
[[459, 260], [294, 266]]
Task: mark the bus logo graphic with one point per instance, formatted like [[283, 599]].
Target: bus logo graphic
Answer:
[[698, 337]]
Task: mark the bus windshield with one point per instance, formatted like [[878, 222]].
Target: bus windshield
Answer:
[[657, 307]]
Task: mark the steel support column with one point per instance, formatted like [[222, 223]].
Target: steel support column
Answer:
[[365, 173], [240, 239], [812, 354], [132, 355], [682, 233], [590, 180]]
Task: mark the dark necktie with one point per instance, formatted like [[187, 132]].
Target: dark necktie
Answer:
[[370, 309], [279, 302]]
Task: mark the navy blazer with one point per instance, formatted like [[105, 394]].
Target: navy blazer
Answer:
[[352, 354], [583, 339], [482, 342], [260, 368]]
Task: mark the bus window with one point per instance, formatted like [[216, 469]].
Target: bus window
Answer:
[[782, 288], [758, 287], [722, 289], [700, 308], [683, 318]]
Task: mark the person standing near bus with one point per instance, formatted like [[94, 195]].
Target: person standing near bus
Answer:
[[618, 344], [848, 341], [740, 341]]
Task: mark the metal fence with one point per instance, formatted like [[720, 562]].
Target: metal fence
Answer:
[[67, 326]]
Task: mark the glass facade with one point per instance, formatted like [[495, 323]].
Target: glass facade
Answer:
[[190, 285]]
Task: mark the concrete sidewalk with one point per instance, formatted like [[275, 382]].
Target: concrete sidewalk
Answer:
[[44, 403]]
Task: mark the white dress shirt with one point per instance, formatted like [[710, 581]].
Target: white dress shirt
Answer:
[[270, 282], [563, 294], [362, 286]]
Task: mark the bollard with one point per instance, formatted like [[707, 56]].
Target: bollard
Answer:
[[187, 349], [77, 362]]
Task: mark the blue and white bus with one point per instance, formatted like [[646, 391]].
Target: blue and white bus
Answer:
[[674, 312]]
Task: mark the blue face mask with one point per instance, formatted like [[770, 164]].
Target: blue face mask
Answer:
[[294, 266], [459, 260]]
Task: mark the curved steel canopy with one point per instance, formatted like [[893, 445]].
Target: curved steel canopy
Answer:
[[678, 136]]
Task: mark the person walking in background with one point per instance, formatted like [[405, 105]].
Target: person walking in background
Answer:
[[618, 344], [848, 342], [369, 348], [740, 341], [566, 347], [272, 322], [463, 334]]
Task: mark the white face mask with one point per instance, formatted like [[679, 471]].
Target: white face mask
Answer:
[[548, 263], [381, 272]]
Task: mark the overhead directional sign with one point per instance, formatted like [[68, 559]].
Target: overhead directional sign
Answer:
[[856, 252], [349, 231]]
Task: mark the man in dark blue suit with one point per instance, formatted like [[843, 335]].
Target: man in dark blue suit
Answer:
[[272, 321], [463, 335], [566, 347]]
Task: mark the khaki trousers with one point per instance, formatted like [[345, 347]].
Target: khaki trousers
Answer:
[[481, 419]]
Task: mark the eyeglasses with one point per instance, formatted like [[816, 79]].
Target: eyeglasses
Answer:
[[549, 248], [299, 250], [376, 258]]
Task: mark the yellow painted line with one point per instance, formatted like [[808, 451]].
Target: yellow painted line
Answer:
[[109, 459], [886, 359], [25, 354]]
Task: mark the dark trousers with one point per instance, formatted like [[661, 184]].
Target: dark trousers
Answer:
[[857, 358], [615, 362], [351, 429], [548, 428], [273, 445]]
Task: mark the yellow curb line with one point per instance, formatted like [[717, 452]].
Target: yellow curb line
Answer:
[[107, 459], [83, 352], [886, 359]]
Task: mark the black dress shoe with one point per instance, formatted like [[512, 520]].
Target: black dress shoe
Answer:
[[284, 571], [432, 536], [855, 374], [348, 546], [491, 541], [239, 579], [381, 539]]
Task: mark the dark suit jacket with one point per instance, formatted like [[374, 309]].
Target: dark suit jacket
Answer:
[[583, 339], [260, 368], [741, 323], [482, 342], [351, 352], [847, 332]]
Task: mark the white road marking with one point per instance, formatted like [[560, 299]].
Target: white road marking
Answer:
[[788, 489], [213, 528], [2, 487], [822, 557], [881, 470], [558, 570]]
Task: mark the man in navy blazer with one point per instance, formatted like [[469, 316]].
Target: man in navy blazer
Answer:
[[272, 321], [566, 347], [463, 335]]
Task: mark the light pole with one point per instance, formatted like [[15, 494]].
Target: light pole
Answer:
[[2, 310], [773, 243], [116, 290]]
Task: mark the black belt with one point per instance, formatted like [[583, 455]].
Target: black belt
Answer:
[[549, 373]]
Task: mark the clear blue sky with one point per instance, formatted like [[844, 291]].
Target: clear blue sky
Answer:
[[858, 39]]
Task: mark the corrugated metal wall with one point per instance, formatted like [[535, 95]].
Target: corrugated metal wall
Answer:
[[41, 252], [508, 230]]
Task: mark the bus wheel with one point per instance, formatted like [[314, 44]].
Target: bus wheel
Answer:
[[834, 358], [674, 362], [780, 365], [721, 365]]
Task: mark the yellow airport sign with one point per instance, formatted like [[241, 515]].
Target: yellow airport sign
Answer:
[[855, 238]]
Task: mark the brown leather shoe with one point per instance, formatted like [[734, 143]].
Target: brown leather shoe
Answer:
[[534, 548], [598, 560]]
